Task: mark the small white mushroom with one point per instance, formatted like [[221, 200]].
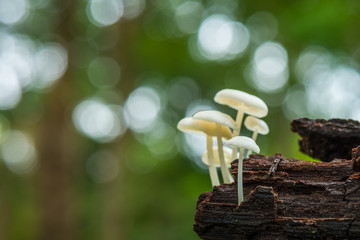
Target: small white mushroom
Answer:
[[210, 129], [257, 126], [220, 119], [243, 103], [242, 143], [227, 155]]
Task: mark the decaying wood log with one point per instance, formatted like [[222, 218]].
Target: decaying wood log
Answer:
[[298, 200], [327, 140], [291, 199]]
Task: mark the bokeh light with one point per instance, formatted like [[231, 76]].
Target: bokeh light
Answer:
[[99, 121], [330, 92], [312, 61], [10, 88], [17, 69], [17, 52], [25, 66], [12, 12], [326, 85], [51, 63], [105, 12], [221, 38], [18, 152], [269, 68], [35, 67], [190, 140], [142, 109]]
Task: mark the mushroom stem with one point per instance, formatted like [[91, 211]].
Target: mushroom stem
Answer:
[[239, 179], [212, 169], [254, 136], [224, 170], [236, 131]]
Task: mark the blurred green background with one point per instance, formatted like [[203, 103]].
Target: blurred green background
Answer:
[[91, 92]]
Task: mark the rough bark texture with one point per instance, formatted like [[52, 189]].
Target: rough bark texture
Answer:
[[327, 140], [356, 159], [288, 198], [298, 200]]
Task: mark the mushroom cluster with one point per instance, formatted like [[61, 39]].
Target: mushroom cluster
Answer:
[[213, 123]]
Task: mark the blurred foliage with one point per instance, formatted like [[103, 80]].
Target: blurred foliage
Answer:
[[91, 92]]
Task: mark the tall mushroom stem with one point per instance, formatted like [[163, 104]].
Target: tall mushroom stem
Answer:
[[236, 131], [242, 143], [224, 170], [239, 179], [212, 169], [254, 136]]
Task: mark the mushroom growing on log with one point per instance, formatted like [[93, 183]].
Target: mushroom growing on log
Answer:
[[256, 126], [301, 200], [288, 198], [221, 120], [210, 129], [242, 143], [243, 103]]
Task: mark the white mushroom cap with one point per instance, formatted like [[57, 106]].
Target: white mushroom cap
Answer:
[[227, 155], [216, 117], [243, 142], [236, 99], [195, 125], [255, 124]]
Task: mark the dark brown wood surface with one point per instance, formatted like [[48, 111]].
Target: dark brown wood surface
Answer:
[[288, 198], [299, 200], [327, 139]]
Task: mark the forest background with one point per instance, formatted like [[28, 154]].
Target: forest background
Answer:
[[91, 92]]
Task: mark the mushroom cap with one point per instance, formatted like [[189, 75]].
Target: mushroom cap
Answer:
[[227, 155], [243, 142], [216, 117], [237, 99], [253, 124], [195, 125]]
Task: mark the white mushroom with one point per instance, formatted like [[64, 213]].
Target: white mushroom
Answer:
[[242, 143], [227, 155], [210, 129], [257, 126], [220, 119], [243, 103]]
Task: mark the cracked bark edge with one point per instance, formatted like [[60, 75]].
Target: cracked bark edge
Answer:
[[327, 139]]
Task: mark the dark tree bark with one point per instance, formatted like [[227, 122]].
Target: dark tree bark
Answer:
[[300, 200], [356, 159], [288, 198], [327, 140]]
